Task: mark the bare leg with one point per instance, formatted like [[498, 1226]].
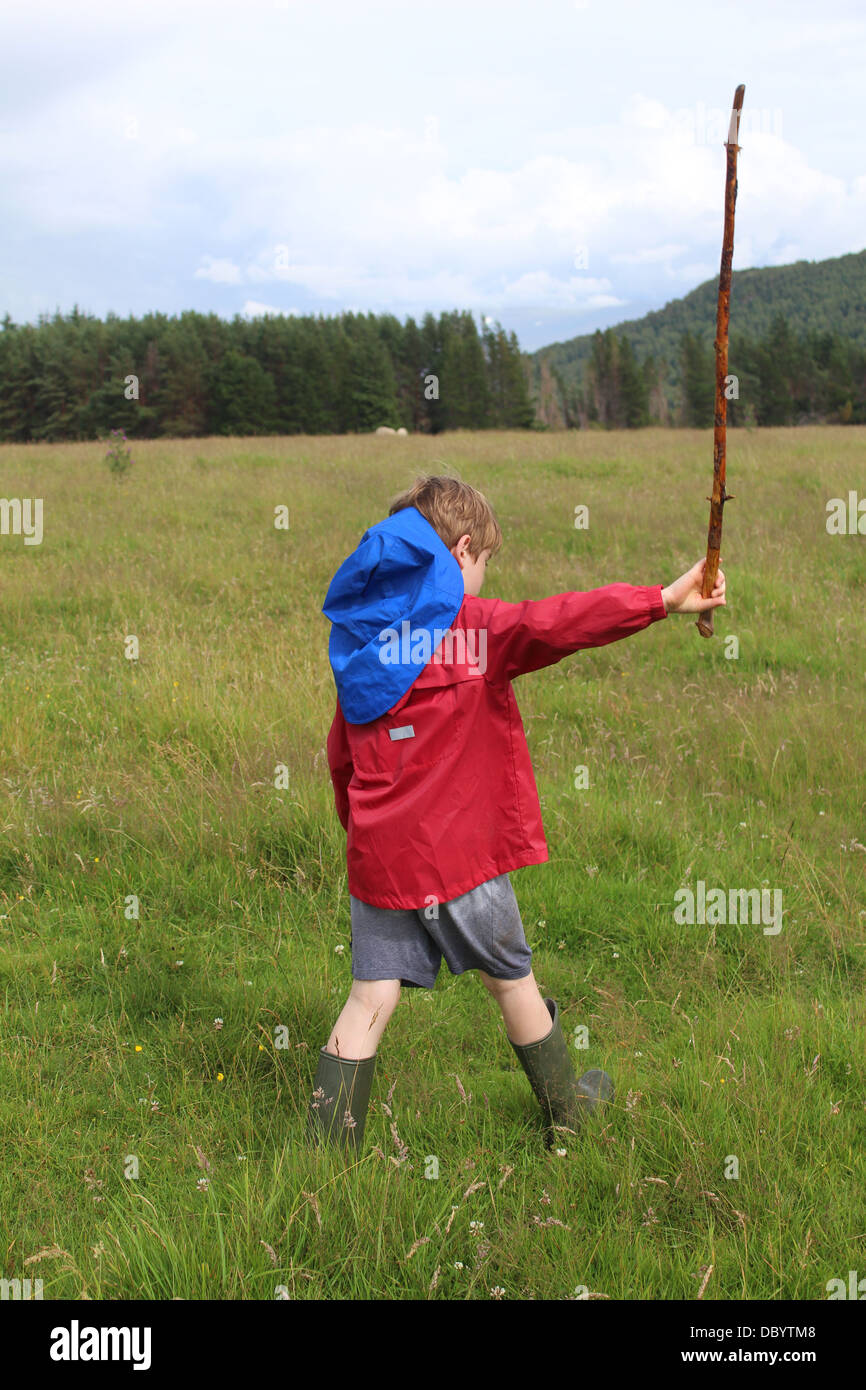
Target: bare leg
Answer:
[[527, 1017], [365, 1013]]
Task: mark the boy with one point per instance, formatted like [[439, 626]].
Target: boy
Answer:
[[434, 785]]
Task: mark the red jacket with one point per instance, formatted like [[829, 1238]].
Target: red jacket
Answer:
[[451, 801]]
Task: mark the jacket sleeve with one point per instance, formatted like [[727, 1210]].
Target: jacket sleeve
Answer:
[[340, 764], [525, 636]]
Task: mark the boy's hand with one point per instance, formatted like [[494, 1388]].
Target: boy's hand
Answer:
[[684, 595]]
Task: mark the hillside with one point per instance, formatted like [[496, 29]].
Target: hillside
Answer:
[[814, 296]]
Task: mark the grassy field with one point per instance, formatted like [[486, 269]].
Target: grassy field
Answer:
[[150, 1040]]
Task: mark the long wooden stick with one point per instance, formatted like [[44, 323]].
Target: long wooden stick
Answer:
[[723, 314]]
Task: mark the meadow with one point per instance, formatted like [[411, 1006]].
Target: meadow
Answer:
[[169, 914]]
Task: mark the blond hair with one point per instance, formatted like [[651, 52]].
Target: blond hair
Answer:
[[453, 509]]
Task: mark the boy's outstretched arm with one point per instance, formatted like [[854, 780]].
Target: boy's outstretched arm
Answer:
[[523, 637]]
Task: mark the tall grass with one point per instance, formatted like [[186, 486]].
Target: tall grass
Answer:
[[153, 1038]]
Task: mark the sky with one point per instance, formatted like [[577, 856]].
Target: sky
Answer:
[[556, 166]]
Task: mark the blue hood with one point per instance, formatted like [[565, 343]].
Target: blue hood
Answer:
[[401, 571]]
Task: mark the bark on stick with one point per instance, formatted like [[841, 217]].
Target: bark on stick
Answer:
[[723, 314]]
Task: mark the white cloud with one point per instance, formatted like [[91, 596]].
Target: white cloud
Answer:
[[221, 272], [539, 289], [648, 255], [254, 310]]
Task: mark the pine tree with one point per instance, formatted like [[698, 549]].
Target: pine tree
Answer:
[[17, 381], [433, 336], [699, 384], [634, 396], [241, 396], [372, 394]]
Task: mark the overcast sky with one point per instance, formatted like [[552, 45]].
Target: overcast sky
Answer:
[[555, 164]]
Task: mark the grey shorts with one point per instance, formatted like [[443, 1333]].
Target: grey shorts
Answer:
[[481, 930]]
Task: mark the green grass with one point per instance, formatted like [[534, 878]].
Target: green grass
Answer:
[[155, 778]]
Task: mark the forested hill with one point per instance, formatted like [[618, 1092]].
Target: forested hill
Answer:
[[815, 298]]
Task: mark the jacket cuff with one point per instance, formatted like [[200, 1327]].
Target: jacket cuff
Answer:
[[656, 603]]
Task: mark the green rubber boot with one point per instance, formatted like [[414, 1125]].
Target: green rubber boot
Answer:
[[563, 1098], [341, 1095]]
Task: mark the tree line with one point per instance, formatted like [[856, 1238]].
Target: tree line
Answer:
[[74, 376]]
